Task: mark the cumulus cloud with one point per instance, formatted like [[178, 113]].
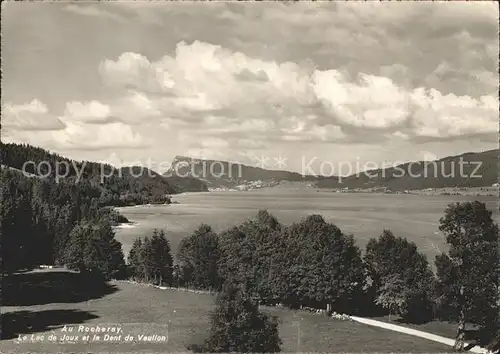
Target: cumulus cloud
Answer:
[[373, 102], [114, 135], [133, 71], [31, 116], [226, 94], [84, 125], [436, 115], [79, 136], [135, 108], [92, 112], [213, 97]]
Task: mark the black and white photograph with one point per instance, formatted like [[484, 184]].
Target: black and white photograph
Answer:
[[250, 177]]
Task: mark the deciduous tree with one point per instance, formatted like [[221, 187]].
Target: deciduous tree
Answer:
[[199, 257], [468, 275], [324, 265], [400, 275]]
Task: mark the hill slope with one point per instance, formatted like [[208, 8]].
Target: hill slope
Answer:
[[465, 170], [224, 174], [125, 182]]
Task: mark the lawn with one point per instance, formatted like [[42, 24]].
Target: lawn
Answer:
[[182, 316], [322, 334], [441, 328]]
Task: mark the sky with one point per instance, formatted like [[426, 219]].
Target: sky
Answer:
[[313, 84]]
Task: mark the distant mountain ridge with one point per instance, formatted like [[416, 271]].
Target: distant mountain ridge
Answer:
[[464, 170], [224, 174], [188, 174]]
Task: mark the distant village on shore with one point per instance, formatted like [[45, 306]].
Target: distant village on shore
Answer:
[[474, 191]]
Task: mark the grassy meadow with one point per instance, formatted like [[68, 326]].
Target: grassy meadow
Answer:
[[184, 317]]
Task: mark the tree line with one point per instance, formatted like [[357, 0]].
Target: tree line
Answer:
[[313, 263], [118, 187], [40, 216], [123, 186], [42, 222]]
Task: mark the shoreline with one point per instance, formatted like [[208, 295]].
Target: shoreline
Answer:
[[446, 191], [127, 225]]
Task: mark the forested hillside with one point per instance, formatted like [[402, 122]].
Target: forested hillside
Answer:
[[40, 217], [119, 187], [466, 170]]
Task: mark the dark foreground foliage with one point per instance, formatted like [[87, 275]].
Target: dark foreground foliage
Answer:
[[238, 326]]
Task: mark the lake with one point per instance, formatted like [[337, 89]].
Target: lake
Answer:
[[415, 217]]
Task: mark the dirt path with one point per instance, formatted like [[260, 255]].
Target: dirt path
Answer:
[[415, 333]]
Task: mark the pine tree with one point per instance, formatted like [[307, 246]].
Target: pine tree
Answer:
[[152, 259], [135, 262], [162, 258], [146, 255], [73, 255], [92, 248]]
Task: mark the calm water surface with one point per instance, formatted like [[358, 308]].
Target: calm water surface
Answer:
[[364, 215]]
